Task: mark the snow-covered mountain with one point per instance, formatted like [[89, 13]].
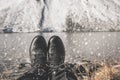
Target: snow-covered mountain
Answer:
[[60, 15]]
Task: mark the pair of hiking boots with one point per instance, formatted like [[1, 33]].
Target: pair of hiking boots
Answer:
[[43, 55], [46, 60]]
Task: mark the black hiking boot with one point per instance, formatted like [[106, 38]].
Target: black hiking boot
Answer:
[[56, 57], [38, 56], [38, 51], [56, 51]]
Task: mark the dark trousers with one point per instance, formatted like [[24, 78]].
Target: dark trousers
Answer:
[[49, 74]]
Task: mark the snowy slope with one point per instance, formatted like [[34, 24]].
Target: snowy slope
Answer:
[[21, 15], [97, 15], [59, 15]]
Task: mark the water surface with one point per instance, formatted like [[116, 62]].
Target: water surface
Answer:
[[93, 46]]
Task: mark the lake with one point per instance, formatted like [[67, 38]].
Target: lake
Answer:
[[93, 46]]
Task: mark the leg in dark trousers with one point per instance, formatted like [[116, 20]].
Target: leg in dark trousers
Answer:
[[56, 56], [38, 56]]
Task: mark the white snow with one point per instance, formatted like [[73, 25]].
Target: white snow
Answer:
[[21, 15], [25, 15]]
